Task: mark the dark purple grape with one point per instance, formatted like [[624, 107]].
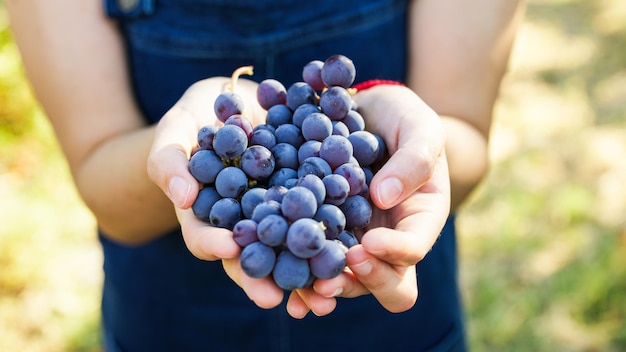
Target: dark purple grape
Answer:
[[315, 185], [312, 74], [291, 272], [298, 202], [280, 176], [354, 121], [337, 189], [338, 70], [286, 155], [231, 182], [300, 93], [271, 92], [264, 137], [225, 213], [204, 166], [264, 209], [355, 176], [305, 238], [227, 104], [330, 262], [358, 212], [302, 112], [316, 126], [347, 238], [340, 129], [258, 260], [275, 193], [230, 142], [251, 199], [336, 102], [307, 150], [244, 232], [204, 202], [314, 165], [336, 150], [278, 115], [241, 122], [332, 218], [272, 230], [257, 162], [382, 149], [291, 183], [365, 146], [205, 136], [289, 134]]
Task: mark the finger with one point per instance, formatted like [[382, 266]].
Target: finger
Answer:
[[168, 161], [205, 241], [296, 307], [417, 223], [318, 304], [395, 287], [344, 285], [263, 292]]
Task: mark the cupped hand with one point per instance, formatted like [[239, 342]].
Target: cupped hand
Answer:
[[412, 197]]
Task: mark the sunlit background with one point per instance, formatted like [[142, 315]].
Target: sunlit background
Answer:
[[542, 240]]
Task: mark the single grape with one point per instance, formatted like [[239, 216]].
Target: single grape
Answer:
[[337, 189], [286, 155], [276, 193], [330, 262], [272, 230], [355, 176], [347, 238], [231, 182], [257, 162], [278, 115], [302, 112], [300, 93], [305, 238], [271, 92], [332, 218], [291, 272], [245, 232], [204, 166], [264, 209], [205, 136], [336, 102], [299, 202], [312, 74], [230, 142], [314, 184], [340, 129], [227, 104], [336, 150], [257, 260], [338, 70], [225, 213], [354, 121], [365, 146], [307, 150], [280, 176], [251, 199], [316, 126], [358, 212], [264, 137], [241, 122], [289, 134], [314, 165], [204, 202]]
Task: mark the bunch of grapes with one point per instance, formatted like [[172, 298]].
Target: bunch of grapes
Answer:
[[293, 189]]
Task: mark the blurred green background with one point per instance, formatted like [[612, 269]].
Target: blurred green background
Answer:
[[542, 240]]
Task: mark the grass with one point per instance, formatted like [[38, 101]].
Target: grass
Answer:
[[542, 240]]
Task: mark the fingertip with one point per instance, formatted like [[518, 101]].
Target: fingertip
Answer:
[[179, 191]]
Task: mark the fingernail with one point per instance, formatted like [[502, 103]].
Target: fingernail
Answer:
[[178, 190], [389, 190], [337, 292], [363, 268]]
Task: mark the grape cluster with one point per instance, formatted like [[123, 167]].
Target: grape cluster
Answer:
[[293, 189]]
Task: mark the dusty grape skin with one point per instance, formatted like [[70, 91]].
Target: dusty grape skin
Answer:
[[275, 193], [271, 92], [227, 104], [337, 189], [264, 209], [305, 237], [225, 213], [205, 136], [332, 218], [354, 121], [230, 142], [285, 155], [290, 134], [365, 146], [338, 70], [315, 185], [257, 260], [241, 122], [335, 103], [278, 115], [355, 176], [280, 176], [291, 272], [204, 202], [316, 166], [347, 238], [302, 112], [245, 232], [205, 165], [299, 202], [307, 150], [312, 74], [316, 126], [330, 261], [340, 129], [336, 150], [251, 199], [231, 182], [300, 93], [263, 137], [358, 212], [272, 230], [257, 162]]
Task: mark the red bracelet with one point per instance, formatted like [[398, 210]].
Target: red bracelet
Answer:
[[375, 82]]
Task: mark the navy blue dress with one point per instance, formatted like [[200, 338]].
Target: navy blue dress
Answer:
[[159, 297]]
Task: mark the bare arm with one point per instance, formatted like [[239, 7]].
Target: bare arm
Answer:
[[75, 62], [459, 51]]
